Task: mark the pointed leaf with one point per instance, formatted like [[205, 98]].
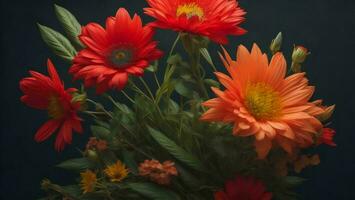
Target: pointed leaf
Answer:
[[178, 152], [59, 44], [76, 164], [70, 24], [153, 191]]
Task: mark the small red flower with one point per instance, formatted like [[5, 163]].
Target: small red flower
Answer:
[[327, 137], [243, 188], [124, 48], [214, 19], [48, 93]]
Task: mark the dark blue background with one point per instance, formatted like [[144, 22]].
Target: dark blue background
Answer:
[[326, 27]]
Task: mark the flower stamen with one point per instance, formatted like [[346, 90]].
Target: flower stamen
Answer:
[[262, 101], [190, 10], [55, 108]]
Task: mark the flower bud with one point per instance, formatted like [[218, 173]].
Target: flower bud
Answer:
[[299, 55], [92, 155], [80, 97], [328, 112], [276, 43]]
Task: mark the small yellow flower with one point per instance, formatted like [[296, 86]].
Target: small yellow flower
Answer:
[[88, 181], [116, 172]]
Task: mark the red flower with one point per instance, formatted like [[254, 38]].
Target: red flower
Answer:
[[214, 19], [48, 93], [124, 47], [327, 137], [243, 188]]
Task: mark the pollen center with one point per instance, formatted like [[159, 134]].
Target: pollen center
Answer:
[[262, 101], [120, 57], [55, 108], [190, 10]]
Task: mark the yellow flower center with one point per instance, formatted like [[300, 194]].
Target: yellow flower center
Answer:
[[190, 10], [116, 172], [262, 101], [55, 108]]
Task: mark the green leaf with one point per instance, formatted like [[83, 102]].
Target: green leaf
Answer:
[[184, 88], [73, 190], [188, 178], [153, 67], [178, 152], [153, 191], [59, 44], [70, 24], [79, 164], [101, 132], [128, 159], [294, 180], [204, 52], [211, 82]]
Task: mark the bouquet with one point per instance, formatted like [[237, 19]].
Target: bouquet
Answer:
[[243, 133]]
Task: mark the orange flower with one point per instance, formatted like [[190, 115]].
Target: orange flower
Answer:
[[261, 101], [214, 19], [158, 172]]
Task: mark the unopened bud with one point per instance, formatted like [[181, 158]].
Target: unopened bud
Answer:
[[92, 155], [80, 97], [276, 43], [299, 55], [328, 112]]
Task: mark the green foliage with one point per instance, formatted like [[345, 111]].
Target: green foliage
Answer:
[[153, 191], [78, 164], [176, 151], [59, 44], [70, 24]]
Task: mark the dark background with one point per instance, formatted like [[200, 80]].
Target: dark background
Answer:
[[326, 27]]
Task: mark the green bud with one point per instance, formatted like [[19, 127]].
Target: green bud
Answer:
[[92, 155], [299, 55], [276, 44]]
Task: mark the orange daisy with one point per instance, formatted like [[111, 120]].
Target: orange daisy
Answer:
[[214, 19], [261, 101]]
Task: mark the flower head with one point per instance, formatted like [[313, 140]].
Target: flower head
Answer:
[[48, 93], [214, 19], [243, 188], [160, 173], [96, 144], [116, 172], [327, 137], [259, 100], [88, 181], [123, 48]]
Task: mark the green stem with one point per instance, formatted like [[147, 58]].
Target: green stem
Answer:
[[174, 44], [156, 80], [100, 106], [195, 58], [127, 96], [147, 88]]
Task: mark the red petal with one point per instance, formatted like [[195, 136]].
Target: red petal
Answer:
[[46, 130]]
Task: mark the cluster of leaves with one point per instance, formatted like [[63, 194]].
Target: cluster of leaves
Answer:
[[157, 127]]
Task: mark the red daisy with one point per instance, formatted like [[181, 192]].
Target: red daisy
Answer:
[[124, 47], [243, 188], [214, 19], [48, 93]]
